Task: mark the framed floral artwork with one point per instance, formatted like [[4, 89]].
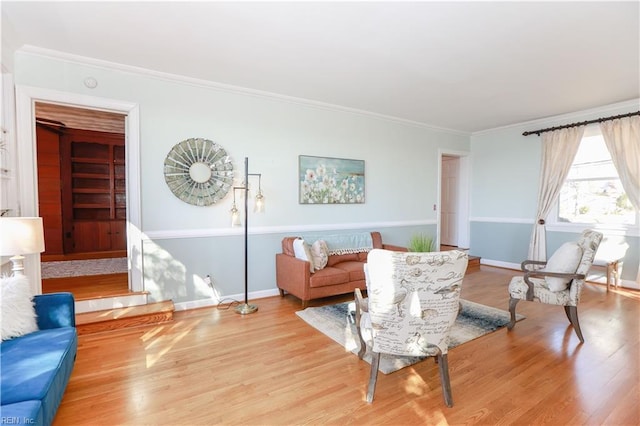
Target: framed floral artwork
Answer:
[[325, 180]]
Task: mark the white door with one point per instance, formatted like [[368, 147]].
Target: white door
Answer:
[[449, 201]]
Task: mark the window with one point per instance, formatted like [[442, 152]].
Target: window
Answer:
[[593, 193]]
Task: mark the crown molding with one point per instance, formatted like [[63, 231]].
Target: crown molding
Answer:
[[571, 116], [175, 78]]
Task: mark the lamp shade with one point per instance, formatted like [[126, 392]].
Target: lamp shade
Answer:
[[21, 235]]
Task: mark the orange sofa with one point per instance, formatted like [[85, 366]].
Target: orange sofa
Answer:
[[342, 274]]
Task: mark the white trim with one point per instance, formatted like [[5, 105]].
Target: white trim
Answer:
[[516, 267], [105, 303], [98, 63], [202, 303], [574, 228], [577, 115], [26, 97], [501, 220], [9, 188], [289, 229], [500, 264], [630, 284]]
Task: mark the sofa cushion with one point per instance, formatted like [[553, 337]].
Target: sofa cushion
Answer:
[[355, 270], [16, 305], [302, 251], [320, 254], [334, 259], [328, 276], [40, 366]]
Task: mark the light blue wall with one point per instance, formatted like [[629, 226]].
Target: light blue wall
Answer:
[[172, 271], [505, 170], [401, 163]]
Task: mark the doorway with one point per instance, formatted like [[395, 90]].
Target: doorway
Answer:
[[29, 194], [453, 196], [82, 200]]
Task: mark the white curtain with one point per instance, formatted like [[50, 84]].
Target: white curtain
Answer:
[[622, 137], [558, 151]]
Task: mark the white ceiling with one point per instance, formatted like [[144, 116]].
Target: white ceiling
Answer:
[[466, 66]]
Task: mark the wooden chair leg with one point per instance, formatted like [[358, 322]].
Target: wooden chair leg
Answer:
[[373, 377], [566, 311], [512, 309], [359, 309], [443, 366], [572, 313]]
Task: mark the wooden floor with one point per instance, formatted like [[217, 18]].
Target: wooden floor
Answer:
[[212, 366], [89, 286]]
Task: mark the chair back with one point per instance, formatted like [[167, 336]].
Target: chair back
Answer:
[[589, 242], [413, 300]]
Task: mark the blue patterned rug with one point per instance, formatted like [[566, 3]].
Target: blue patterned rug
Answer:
[[336, 321]]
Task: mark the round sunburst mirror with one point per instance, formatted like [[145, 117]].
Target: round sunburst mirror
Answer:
[[198, 171]]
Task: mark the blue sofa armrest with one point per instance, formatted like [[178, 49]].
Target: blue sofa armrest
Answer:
[[55, 310]]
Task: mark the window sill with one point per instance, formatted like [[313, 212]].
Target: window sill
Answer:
[[626, 230]]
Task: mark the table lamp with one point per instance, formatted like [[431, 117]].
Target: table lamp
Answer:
[[20, 236]]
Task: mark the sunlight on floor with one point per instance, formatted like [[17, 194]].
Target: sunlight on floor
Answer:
[[632, 294], [164, 344], [415, 385]]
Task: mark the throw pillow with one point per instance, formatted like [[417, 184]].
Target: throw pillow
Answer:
[[565, 260], [18, 313], [302, 251], [320, 254]]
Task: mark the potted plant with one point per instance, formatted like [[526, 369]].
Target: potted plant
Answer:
[[421, 243]]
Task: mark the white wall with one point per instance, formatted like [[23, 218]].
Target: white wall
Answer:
[[188, 242]]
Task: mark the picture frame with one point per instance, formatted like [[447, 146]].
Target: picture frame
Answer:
[[328, 180]]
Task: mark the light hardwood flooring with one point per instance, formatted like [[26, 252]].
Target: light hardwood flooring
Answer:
[[213, 366]]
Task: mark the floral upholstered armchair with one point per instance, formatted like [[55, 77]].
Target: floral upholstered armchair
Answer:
[[413, 301], [560, 281]]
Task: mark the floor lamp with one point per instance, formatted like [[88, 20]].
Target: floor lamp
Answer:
[[246, 308]]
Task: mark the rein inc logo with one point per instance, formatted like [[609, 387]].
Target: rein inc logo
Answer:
[[17, 420]]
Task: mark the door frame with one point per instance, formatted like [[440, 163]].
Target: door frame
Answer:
[[27, 165], [464, 174]]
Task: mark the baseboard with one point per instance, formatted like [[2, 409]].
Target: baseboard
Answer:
[[203, 303], [516, 267], [500, 264]]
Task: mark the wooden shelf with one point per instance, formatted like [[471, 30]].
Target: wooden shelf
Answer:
[[96, 205], [90, 176], [92, 206], [91, 191]]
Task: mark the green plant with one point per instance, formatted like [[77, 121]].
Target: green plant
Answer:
[[421, 243]]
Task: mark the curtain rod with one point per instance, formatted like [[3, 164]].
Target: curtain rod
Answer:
[[582, 123]]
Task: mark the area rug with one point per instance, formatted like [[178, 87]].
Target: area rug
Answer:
[[337, 322], [77, 268]]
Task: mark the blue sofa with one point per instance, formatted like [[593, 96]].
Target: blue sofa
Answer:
[[35, 368]]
